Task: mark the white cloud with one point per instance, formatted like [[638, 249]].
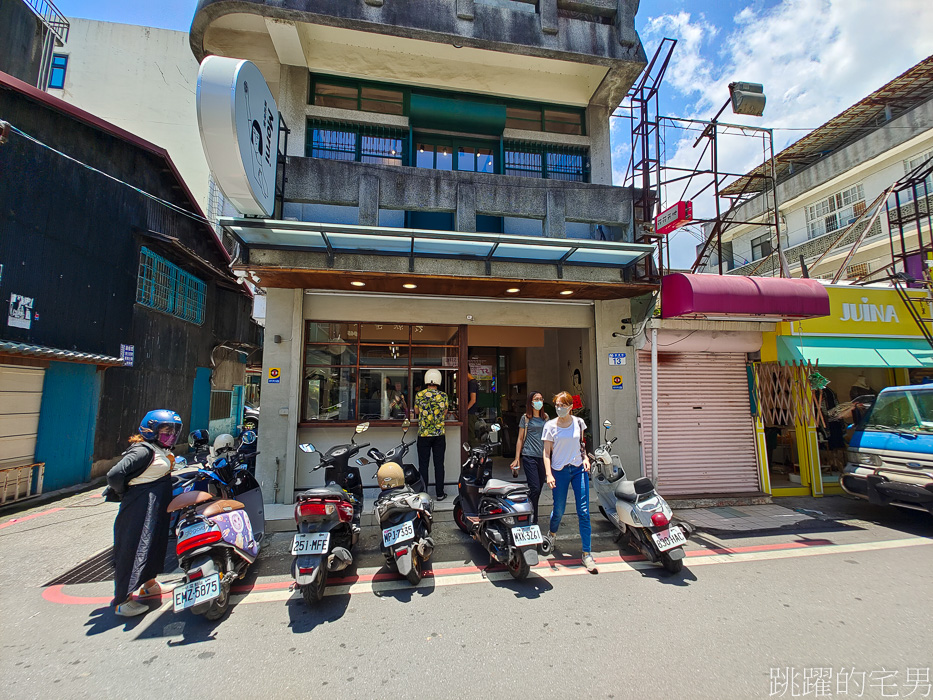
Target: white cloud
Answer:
[[814, 58]]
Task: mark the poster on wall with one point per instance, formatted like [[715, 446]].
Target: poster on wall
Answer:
[[481, 372], [21, 310]]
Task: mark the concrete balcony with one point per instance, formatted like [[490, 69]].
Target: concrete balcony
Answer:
[[587, 50], [466, 194]]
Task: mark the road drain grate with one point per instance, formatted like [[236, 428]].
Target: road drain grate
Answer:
[[96, 569]]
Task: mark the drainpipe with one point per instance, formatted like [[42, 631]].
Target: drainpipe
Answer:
[[654, 405]]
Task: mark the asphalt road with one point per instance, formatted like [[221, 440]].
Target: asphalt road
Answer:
[[747, 614]]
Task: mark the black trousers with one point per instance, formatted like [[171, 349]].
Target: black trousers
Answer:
[[140, 536], [537, 478], [436, 445]]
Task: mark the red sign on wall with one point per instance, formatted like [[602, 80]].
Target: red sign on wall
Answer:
[[673, 217]]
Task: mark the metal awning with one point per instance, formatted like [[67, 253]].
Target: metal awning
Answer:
[[42, 352], [335, 239], [732, 296], [841, 351]]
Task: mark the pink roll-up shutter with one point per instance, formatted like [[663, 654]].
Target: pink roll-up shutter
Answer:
[[706, 436]]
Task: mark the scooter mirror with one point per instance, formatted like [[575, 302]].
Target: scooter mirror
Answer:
[[406, 424], [362, 461], [362, 427], [607, 424], [495, 427], [466, 447], [306, 447], [248, 437], [180, 462]]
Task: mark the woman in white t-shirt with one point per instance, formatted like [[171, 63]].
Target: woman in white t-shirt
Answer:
[[566, 464]]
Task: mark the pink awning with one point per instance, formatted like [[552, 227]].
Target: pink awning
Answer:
[[723, 296]]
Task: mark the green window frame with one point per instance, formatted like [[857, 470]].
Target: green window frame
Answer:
[[165, 287], [388, 98], [362, 143]]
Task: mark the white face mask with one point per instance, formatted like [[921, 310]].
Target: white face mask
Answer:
[[563, 411], [537, 405]]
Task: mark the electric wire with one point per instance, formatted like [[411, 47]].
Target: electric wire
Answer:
[[174, 207]]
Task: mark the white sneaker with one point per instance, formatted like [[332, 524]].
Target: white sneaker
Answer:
[[131, 608], [589, 563]]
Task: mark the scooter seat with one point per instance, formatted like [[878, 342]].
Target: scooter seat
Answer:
[[631, 490], [329, 491], [222, 506], [497, 487], [189, 498]]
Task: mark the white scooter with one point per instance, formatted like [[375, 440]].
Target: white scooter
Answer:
[[637, 509]]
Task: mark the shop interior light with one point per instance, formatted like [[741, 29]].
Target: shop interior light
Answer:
[[410, 286], [567, 292], [358, 284], [513, 290]]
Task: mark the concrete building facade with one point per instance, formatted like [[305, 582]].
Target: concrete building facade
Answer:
[[829, 177], [448, 204]]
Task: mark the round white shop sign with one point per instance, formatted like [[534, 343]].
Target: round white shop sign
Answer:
[[239, 124]]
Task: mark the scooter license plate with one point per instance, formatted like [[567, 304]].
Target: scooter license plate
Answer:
[[670, 538], [199, 591], [194, 529], [527, 535], [310, 543], [399, 533]]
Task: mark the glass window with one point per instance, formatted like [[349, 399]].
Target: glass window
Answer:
[[340, 96], [425, 157], [563, 122], [520, 118], [384, 394], [332, 144], [444, 158], [380, 150], [761, 246], [164, 286], [356, 142], [57, 74], [448, 386], [466, 158], [565, 166], [329, 393], [384, 100], [485, 161], [371, 371]]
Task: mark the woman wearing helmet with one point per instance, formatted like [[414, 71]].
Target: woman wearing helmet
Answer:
[[431, 409], [142, 482]]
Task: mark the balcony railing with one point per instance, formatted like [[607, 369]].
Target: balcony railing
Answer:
[[52, 17], [810, 250]]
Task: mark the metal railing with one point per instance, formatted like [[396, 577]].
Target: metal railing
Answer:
[[16, 482], [52, 17], [810, 250]]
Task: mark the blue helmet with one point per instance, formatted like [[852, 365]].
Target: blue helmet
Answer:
[[154, 421]]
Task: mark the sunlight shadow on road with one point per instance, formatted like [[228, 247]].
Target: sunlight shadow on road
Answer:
[[104, 619], [529, 589], [305, 618]]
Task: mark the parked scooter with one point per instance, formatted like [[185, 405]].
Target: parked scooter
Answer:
[[637, 509], [216, 544], [328, 519], [222, 475], [397, 455], [405, 518], [495, 513]]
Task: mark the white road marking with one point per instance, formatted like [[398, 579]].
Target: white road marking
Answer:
[[558, 571]]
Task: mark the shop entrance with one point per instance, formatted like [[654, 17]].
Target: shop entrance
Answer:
[[509, 362]]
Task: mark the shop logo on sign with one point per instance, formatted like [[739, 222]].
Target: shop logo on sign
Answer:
[[882, 313]]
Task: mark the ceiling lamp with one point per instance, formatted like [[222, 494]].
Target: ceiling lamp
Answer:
[[567, 292], [513, 290], [409, 285], [358, 284]]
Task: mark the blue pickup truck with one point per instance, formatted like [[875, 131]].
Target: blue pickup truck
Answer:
[[890, 456]]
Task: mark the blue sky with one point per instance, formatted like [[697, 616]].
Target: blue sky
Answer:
[[814, 57]]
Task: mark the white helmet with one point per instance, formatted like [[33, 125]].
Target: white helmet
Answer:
[[432, 376], [223, 444]]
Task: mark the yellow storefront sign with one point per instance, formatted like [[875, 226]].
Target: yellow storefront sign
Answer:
[[862, 311]]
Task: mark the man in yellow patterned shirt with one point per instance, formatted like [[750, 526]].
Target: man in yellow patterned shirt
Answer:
[[431, 410]]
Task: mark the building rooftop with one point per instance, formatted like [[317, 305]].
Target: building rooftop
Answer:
[[907, 91]]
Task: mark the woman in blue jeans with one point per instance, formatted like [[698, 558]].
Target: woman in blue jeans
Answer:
[[529, 449], [566, 464]]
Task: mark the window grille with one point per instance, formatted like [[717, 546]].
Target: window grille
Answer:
[[547, 161], [221, 404], [857, 270], [835, 212], [360, 143], [166, 287]]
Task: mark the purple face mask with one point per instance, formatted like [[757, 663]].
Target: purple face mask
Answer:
[[167, 439]]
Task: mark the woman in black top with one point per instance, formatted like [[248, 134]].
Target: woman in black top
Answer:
[[530, 449]]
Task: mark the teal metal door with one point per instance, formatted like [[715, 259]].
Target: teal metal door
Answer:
[[201, 399], [67, 420]]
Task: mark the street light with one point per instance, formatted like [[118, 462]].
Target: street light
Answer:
[[747, 98]]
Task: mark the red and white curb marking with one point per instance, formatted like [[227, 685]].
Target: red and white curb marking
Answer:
[[375, 580]]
